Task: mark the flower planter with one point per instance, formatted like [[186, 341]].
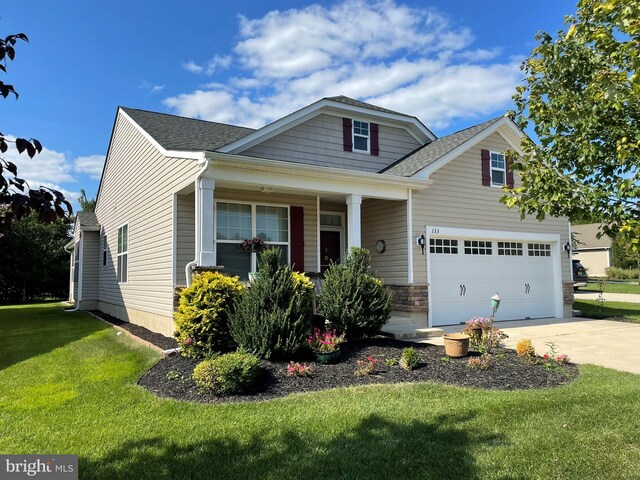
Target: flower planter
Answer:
[[328, 358], [456, 345]]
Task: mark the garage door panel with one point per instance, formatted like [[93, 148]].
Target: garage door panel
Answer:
[[462, 284]]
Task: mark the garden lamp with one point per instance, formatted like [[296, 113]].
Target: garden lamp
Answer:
[[495, 301]]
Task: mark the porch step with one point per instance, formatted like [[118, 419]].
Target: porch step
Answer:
[[411, 332]]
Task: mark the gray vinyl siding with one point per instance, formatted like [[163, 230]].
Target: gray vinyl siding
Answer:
[[308, 203], [90, 256], [185, 234], [318, 141], [458, 199], [137, 188], [386, 220]]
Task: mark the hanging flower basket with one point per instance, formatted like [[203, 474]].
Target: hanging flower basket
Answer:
[[253, 245]]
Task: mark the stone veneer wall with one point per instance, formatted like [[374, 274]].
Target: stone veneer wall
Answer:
[[409, 298], [567, 293]]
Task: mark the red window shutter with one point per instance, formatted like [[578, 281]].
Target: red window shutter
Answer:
[[347, 137], [375, 149], [486, 168], [296, 219], [509, 174]]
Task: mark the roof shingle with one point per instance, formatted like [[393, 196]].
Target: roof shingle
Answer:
[[181, 133], [429, 153]]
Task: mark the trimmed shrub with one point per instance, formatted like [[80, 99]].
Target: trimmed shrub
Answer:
[[202, 319], [409, 359], [355, 302], [273, 316], [227, 374]]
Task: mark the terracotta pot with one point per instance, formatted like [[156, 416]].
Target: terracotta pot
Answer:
[[456, 345]]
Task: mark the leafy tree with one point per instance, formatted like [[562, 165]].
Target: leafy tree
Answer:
[[86, 204], [582, 95], [35, 265], [622, 256], [15, 202]]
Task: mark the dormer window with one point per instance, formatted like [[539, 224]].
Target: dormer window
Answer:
[[361, 136]]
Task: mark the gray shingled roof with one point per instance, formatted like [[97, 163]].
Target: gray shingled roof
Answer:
[[429, 153], [87, 220], [585, 236], [181, 133], [358, 103]]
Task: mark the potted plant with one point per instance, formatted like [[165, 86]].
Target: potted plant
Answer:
[[325, 345]]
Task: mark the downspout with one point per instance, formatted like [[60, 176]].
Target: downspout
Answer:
[[77, 300], [198, 192]]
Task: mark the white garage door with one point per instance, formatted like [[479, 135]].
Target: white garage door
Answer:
[[466, 271]]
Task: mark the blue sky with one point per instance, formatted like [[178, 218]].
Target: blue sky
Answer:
[[450, 63]]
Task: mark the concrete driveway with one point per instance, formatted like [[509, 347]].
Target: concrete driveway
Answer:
[[601, 342]]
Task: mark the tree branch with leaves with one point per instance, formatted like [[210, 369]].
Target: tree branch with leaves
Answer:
[[17, 198], [581, 96]]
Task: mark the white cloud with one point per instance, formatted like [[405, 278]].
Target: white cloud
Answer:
[[413, 60], [91, 164], [150, 87], [216, 63], [49, 165]]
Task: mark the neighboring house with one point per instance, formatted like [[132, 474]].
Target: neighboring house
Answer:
[[594, 253], [177, 193]]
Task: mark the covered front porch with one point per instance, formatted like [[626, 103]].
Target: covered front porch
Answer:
[[313, 215]]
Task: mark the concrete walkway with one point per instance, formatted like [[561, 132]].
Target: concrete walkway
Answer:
[[601, 342], [608, 297]]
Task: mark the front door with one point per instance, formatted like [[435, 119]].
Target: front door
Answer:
[[329, 249]]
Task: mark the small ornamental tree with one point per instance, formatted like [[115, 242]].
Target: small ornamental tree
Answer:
[[202, 319], [354, 301], [17, 199], [272, 318]]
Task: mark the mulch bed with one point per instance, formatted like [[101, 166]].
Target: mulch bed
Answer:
[[157, 339], [171, 376]]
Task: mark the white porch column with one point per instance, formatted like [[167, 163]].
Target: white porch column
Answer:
[[354, 223], [207, 255]]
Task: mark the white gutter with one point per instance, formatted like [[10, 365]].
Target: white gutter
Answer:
[[204, 162]]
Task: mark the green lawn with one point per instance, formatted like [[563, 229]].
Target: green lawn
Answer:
[[623, 310], [613, 287], [68, 386]]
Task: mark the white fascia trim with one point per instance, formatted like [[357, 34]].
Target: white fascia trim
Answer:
[[437, 231], [463, 147], [188, 154], [244, 163], [310, 111]]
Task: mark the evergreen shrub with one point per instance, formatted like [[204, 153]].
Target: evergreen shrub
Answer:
[[227, 374], [202, 319], [273, 316], [354, 301]]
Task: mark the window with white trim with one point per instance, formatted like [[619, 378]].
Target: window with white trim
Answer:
[[498, 169], [123, 254], [443, 245], [510, 249], [236, 222], [539, 249], [105, 250], [477, 247], [361, 136]]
